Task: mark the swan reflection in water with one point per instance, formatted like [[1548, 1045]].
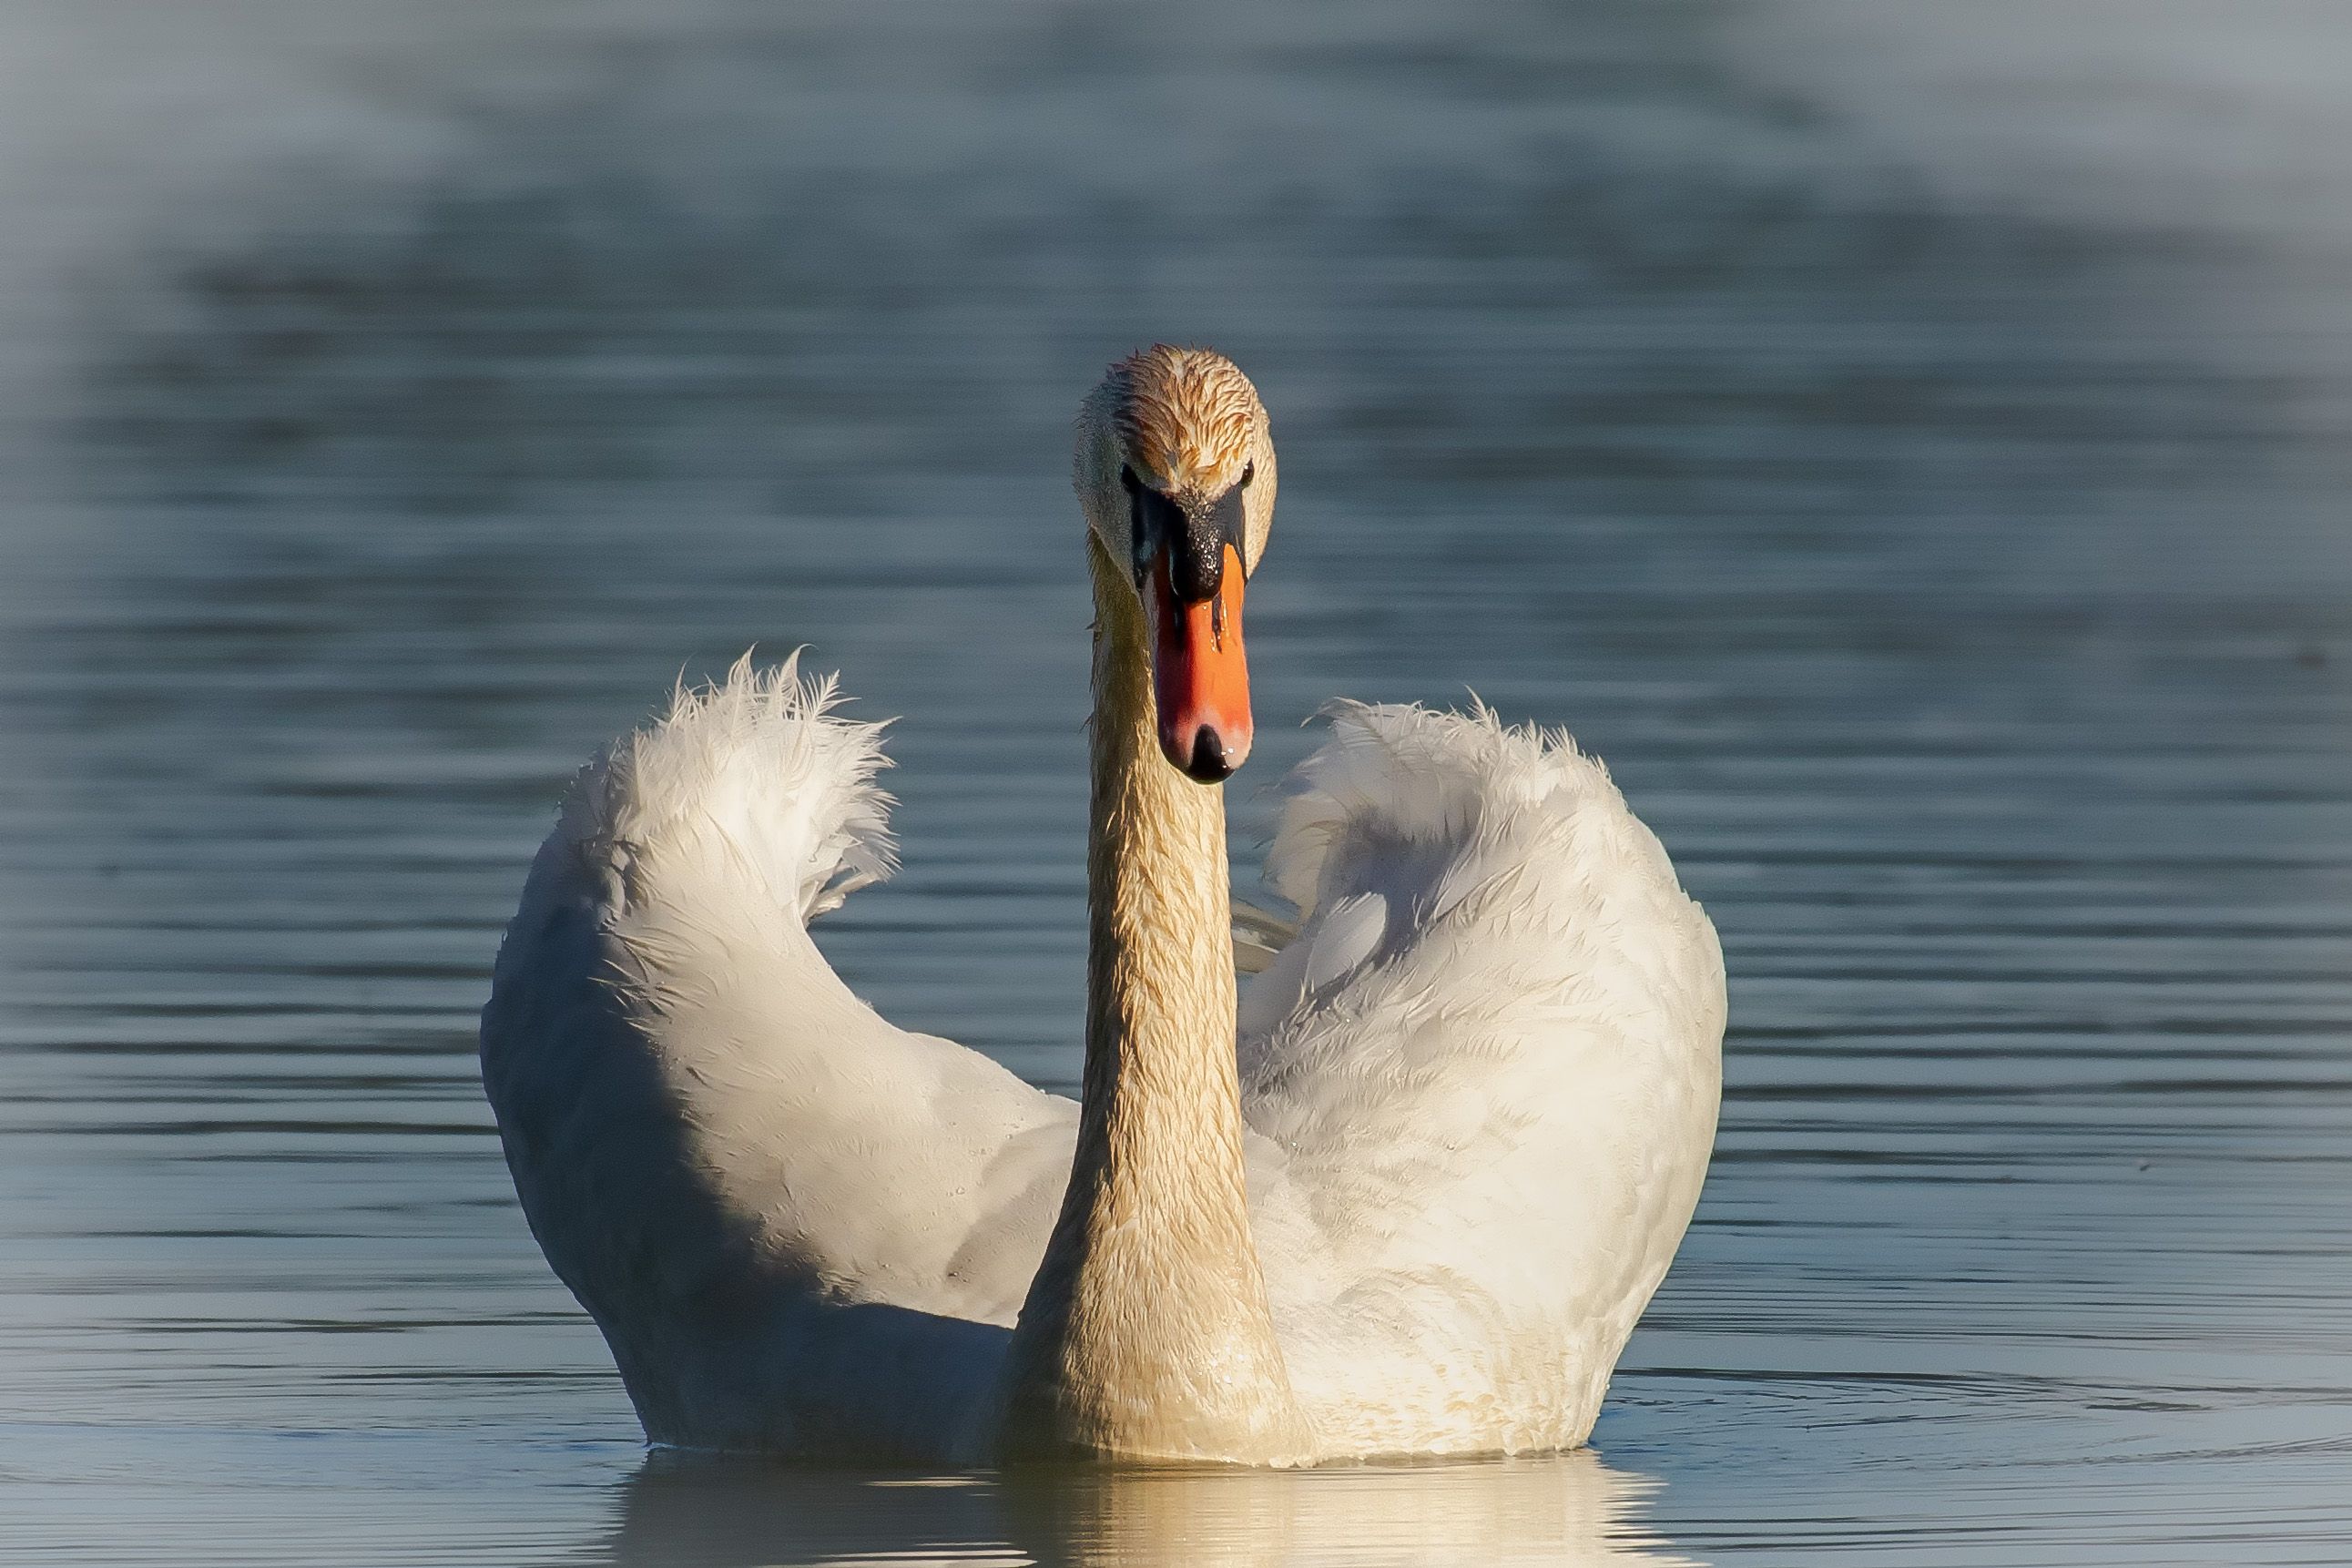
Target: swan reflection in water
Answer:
[[691, 1510]]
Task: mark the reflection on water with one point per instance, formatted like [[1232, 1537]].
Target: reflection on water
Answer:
[[692, 1512], [1947, 557]]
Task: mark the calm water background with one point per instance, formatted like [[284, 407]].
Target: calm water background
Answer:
[[1908, 441]]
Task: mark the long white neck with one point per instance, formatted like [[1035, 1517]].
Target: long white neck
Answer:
[[1146, 1333]]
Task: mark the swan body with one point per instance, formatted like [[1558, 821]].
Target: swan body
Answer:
[[1405, 1194]]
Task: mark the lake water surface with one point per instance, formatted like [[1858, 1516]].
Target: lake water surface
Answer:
[[1909, 442]]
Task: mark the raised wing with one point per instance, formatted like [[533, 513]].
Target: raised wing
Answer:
[[795, 1223], [1488, 1066]]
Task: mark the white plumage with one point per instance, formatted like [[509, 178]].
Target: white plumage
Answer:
[[1479, 1085]]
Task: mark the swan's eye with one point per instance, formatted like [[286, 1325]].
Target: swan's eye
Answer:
[[1249, 472]]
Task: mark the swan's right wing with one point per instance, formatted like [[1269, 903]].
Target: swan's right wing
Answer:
[[1484, 1070], [796, 1224]]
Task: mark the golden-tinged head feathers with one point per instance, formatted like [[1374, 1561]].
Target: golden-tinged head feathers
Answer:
[[1189, 418], [1185, 423]]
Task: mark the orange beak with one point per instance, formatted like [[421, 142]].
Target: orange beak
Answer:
[[1199, 678]]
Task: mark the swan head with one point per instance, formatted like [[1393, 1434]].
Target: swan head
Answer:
[[1176, 475]]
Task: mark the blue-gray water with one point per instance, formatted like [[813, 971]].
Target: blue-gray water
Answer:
[[1908, 441]]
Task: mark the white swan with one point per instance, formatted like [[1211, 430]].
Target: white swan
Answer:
[[1412, 1205]]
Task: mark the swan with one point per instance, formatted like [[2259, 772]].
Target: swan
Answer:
[[1405, 1195]]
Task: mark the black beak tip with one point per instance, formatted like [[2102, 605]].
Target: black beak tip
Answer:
[[1211, 762]]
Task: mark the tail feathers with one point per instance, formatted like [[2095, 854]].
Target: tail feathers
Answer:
[[754, 771]]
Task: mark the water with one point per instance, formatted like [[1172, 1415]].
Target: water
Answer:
[[1909, 442]]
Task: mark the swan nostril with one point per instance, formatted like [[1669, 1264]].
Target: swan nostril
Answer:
[[1211, 762]]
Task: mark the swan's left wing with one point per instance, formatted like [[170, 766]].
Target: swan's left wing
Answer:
[[1483, 1071], [798, 1225]]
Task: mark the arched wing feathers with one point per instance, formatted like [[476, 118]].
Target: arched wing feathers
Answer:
[[1488, 1063], [755, 1184], [1479, 1075]]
